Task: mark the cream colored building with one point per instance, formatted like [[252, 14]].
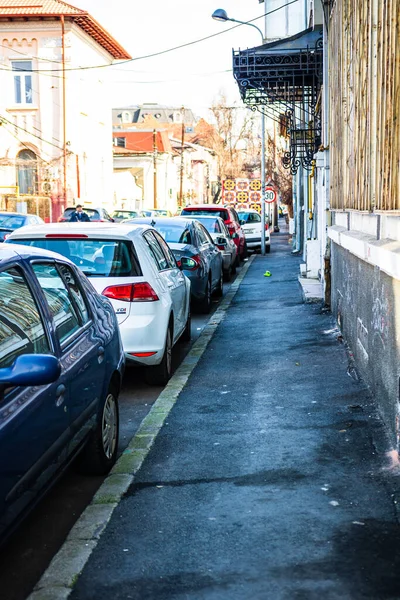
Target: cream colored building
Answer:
[[54, 110]]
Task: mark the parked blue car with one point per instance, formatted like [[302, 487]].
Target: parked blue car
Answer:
[[61, 366], [196, 254]]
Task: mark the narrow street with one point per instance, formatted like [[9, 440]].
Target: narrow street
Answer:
[[269, 478]]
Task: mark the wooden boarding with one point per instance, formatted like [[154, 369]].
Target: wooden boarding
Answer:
[[364, 63]]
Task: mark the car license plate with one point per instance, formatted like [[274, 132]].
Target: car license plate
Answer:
[[249, 231]]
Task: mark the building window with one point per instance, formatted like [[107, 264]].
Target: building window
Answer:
[[120, 142], [27, 172], [22, 70]]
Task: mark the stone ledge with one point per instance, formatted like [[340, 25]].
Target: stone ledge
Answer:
[[312, 289], [384, 253]]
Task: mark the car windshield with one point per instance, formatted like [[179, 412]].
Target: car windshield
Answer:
[[206, 212], [96, 258], [14, 222], [173, 232], [249, 217], [211, 225], [91, 213]]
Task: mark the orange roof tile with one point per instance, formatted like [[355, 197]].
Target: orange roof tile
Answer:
[[50, 8], [142, 141]]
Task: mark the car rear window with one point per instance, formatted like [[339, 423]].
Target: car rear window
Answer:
[[218, 212], [96, 258], [249, 217], [91, 213], [173, 232], [14, 222], [211, 225], [125, 214]]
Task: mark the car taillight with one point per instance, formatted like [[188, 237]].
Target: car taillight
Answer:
[[132, 292], [266, 226], [190, 263], [231, 227]]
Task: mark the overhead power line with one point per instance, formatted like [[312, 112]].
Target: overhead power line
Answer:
[[5, 120], [160, 52]]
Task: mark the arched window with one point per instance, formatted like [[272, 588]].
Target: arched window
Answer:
[[27, 172]]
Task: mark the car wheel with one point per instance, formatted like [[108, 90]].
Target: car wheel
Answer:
[[161, 374], [219, 290], [267, 248], [100, 452], [187, 332], [205, 303], [245, 252]]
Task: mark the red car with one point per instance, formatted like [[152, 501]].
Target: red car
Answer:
[[230, 218]]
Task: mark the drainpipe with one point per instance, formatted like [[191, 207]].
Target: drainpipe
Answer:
[[64, 109], [310, 192]]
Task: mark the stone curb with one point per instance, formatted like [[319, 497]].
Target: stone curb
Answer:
[[61, 575]]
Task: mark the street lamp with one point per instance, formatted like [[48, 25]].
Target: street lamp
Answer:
[[221, 15]]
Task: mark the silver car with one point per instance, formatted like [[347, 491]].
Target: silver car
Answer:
[[223, 240]]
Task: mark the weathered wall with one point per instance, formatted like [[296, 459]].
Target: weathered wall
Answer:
[[366, 301]]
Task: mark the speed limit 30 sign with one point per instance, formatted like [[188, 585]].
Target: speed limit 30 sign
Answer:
[[270, 195]]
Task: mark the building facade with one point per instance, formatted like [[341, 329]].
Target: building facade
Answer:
[[54, 111], [155, 148], [145, 172]]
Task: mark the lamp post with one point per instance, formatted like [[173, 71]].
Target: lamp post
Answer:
[[221, 15]]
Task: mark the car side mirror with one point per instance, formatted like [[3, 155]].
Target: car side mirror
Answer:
[[187, 264], [241, 222], [235, 235], [221, 241], [31, 369]]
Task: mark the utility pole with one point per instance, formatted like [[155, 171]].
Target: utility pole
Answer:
[[154, 168], [64, 112], [182, 159], [263, 184]]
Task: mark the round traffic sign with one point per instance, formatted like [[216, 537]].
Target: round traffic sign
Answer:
[[270, 195]]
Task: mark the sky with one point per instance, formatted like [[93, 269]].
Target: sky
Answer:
[[193, 76]]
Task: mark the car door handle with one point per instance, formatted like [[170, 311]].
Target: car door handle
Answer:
[[60, 391], [170, 284], [100, 354]]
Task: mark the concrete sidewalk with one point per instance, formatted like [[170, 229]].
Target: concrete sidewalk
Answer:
[[267, 480]]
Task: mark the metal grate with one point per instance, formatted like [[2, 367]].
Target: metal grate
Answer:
[[285, 78]]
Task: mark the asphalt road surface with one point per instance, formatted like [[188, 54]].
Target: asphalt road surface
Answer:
[[29, 551]]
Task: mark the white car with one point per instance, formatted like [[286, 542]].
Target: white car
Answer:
[[134, 267], [250, 221]]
